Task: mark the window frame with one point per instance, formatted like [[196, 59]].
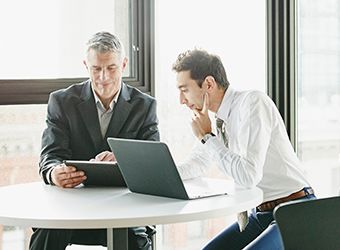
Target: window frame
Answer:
[[281, 61], [141, 31]]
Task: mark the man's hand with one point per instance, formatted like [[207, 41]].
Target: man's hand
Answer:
[[104, 156], [201, 123], [67, 176]]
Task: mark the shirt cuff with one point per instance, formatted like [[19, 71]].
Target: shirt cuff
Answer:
[[213, 146], [49, 176]]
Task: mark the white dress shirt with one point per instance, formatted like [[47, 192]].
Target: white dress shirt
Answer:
[[259, 154], [104, 115]]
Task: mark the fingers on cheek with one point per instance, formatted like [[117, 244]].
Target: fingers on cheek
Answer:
[[195, 120]]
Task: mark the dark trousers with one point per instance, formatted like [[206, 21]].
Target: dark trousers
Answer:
[[261, 233], [59, 239]]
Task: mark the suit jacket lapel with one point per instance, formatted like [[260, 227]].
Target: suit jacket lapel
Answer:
[[120, 114], [89, 113]]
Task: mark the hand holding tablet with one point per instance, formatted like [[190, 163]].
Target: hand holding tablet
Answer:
[[99, 173]]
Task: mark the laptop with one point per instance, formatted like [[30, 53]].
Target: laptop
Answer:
[[148, 168], [99, 173]]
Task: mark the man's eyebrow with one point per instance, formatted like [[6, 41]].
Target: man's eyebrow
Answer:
[[111, 65], [181, 86]]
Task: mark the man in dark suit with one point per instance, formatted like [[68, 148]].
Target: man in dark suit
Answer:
[[79, 121]]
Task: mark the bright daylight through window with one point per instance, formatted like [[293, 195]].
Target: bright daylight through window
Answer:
[[319, 93]]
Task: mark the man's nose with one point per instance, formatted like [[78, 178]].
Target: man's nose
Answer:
[[103, 75], [182, 99]]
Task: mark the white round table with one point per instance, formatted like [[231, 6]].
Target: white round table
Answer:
[[44, 206]]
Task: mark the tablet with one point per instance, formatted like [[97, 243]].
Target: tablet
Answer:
[[99, 173]]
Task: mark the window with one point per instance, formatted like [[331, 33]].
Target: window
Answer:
[[42, 50], [234, 30], [318, 87]]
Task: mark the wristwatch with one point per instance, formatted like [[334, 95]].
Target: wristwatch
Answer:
[[206, 137]]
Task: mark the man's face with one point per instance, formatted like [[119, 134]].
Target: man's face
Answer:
[[190, 93], [106, 70]]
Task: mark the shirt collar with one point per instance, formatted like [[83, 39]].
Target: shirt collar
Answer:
[[223, 111], [99, 102]]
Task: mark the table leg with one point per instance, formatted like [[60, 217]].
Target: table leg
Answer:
[[117, 238]]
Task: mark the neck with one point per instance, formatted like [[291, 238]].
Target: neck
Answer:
[[106, 102], [216, 100]]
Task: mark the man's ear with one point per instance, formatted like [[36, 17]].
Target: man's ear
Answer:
[[84, 62], [210, 83], [125, 62]]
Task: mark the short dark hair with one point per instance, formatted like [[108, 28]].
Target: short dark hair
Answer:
[[202, 64]]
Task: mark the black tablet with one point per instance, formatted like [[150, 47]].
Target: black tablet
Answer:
[[99, 173]]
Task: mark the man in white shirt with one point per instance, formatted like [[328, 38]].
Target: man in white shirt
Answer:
[[251, 146]]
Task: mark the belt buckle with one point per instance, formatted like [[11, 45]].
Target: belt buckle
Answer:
[[309, 191]]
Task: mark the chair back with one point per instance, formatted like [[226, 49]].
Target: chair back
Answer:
[[310, 224]]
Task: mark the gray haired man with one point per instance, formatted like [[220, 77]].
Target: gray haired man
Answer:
[[79, 121]]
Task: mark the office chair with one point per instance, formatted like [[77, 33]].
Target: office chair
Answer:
[[310, 224]]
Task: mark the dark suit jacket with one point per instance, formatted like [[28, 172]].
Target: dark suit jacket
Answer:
[[73, 130]]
